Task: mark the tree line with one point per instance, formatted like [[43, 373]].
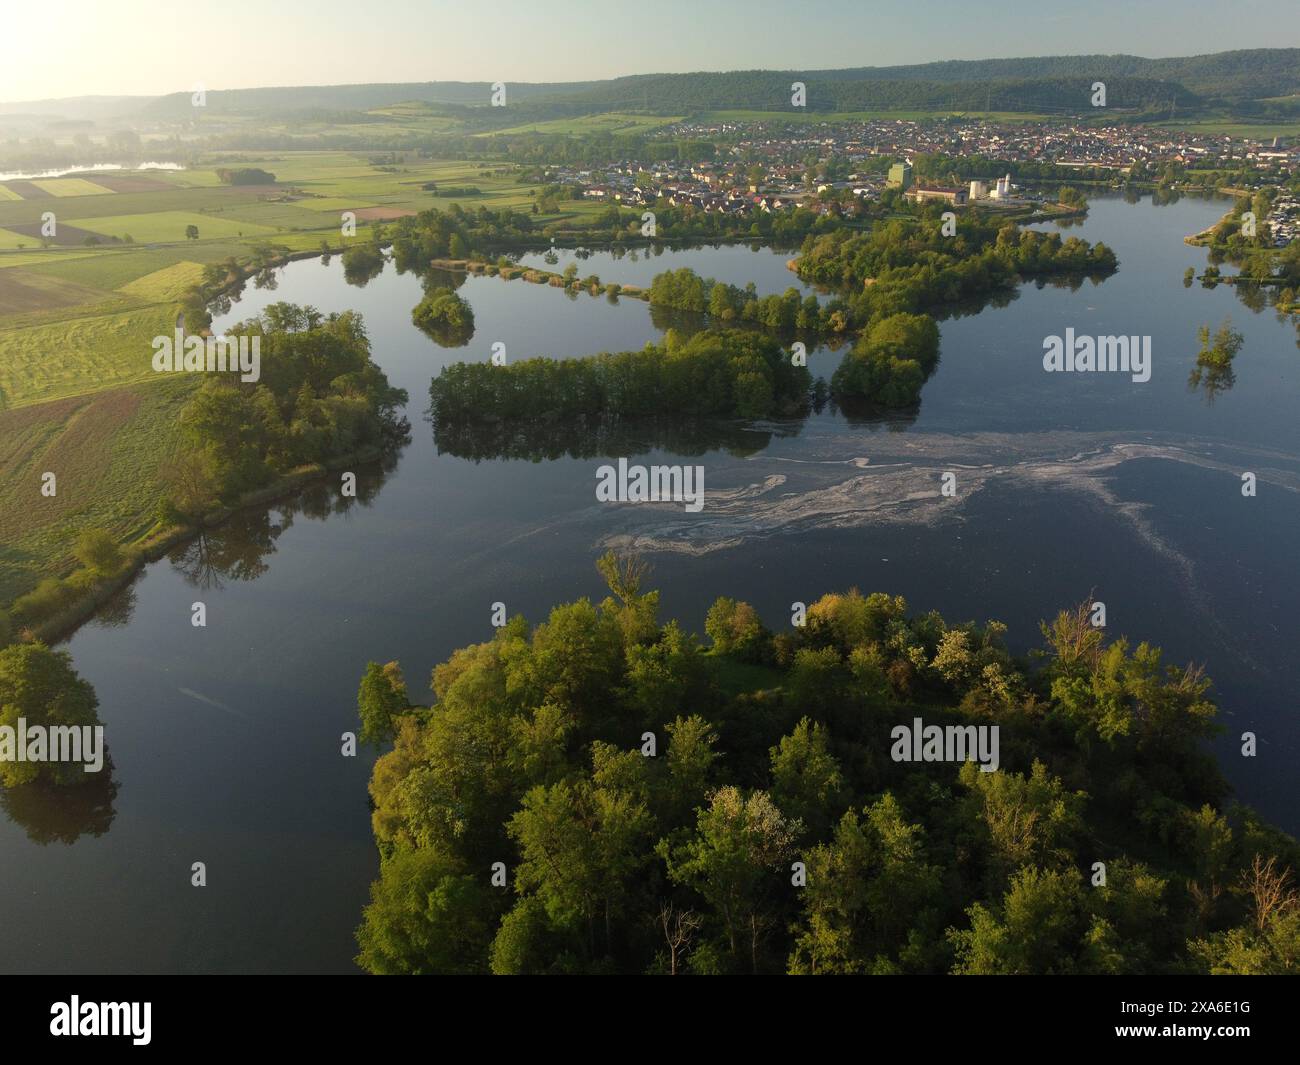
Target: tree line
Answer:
[[716, 373]]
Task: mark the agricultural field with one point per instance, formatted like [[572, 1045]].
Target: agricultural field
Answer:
[[170, 226], [613, 122], [801, 115], [106, 449], [71, 186], [1232, 128], [69, 355], [77, 388], [16, 240]]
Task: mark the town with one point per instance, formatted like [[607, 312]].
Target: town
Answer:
[[771, 165]]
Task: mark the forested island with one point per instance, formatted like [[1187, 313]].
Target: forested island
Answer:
[[885, 285], [717, 373], [601, 794]]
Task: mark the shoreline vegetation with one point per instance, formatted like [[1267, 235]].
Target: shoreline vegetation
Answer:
[[563, 806], [83, 593], [885, 284], [320, 402]]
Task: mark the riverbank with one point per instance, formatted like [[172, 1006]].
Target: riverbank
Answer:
[[88, 594]]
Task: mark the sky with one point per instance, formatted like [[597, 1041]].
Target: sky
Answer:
[[60, 48]]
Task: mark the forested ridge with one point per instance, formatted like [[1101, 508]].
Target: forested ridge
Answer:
[[601, 794], [1242, 77]]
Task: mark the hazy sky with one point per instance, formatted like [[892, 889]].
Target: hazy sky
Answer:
[[55, 48]]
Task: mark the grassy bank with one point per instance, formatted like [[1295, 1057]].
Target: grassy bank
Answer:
[[59, 607]]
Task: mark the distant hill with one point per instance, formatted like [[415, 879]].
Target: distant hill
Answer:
[[1254, 73], [354, 97], [770, 91], [1240, 81]]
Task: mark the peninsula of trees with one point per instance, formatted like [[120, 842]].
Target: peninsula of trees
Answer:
[[320, 397], [601, 794]]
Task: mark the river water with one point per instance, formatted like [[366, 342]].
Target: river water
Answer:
[[225, 740]]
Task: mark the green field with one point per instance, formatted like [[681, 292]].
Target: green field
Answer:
[[78, 394], [39, 256], [1231, 128], [333, 203], [106, 450], [613, 122], [801, 115], [17, 240], [72, 356], [170, 226], [69, 186], [168, 284]]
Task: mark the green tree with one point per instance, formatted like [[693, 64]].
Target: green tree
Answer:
[[734, 628], [41, 687], [806, 779], [738, 855], [381, 700], [99, 552], [426, 915], [580, 845], [1269, 943], [869, 894], [1034, 932], [445, 316]]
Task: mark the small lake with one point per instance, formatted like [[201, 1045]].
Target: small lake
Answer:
[[225, 740]]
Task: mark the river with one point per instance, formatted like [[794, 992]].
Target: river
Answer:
[[225, 740]]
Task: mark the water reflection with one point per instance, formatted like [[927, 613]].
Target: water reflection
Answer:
[[63, 814], [239, 548], [362, 264], [537, 441]]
